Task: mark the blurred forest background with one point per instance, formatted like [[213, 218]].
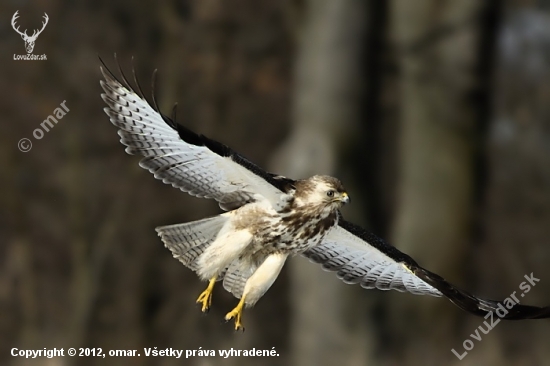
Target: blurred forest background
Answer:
[[434, 113]]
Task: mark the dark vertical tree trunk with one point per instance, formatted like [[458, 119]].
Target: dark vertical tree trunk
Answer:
[[439, 43], [327, 92]]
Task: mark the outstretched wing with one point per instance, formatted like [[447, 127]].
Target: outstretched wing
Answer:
[[193, 163], [360, 257], [476, 305]]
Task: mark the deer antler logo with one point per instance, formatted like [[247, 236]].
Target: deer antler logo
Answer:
[[29, 40]]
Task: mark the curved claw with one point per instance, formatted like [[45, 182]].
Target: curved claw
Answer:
[[205, 298], [236, 314]]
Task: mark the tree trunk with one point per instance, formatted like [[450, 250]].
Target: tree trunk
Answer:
[[436, 171], [326, 112]]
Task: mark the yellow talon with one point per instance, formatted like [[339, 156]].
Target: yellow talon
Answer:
[[236, 313], [206, 296]]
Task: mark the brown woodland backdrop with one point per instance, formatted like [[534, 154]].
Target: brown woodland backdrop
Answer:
[[435, 114]]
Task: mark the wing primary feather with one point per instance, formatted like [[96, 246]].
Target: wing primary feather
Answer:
[[105, 68], [476, 305], [170, 122], [226, 176], [153, 86], [136, 82], [142, 132], [462, 299], [282, 183], [126, 83], [174, 110]]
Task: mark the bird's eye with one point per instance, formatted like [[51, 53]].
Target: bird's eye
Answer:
[[330, 193]]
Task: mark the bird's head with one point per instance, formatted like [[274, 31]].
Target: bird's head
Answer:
[[322, 190]]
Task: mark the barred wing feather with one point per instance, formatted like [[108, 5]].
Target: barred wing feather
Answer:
[[193, 163], [357, 261], [359, 256]]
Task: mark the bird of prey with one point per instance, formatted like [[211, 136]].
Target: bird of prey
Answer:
[[268, 217]]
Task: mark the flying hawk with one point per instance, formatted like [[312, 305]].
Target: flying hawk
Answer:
[[268, 218]]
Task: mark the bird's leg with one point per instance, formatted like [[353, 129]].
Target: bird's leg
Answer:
[[257, 284], [237, 313], [205, 298]]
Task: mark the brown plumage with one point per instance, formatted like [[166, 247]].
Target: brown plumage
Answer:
[[248, 246], [269, 217]]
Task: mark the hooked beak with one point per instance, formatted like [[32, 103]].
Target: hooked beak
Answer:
[[344, 198]]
